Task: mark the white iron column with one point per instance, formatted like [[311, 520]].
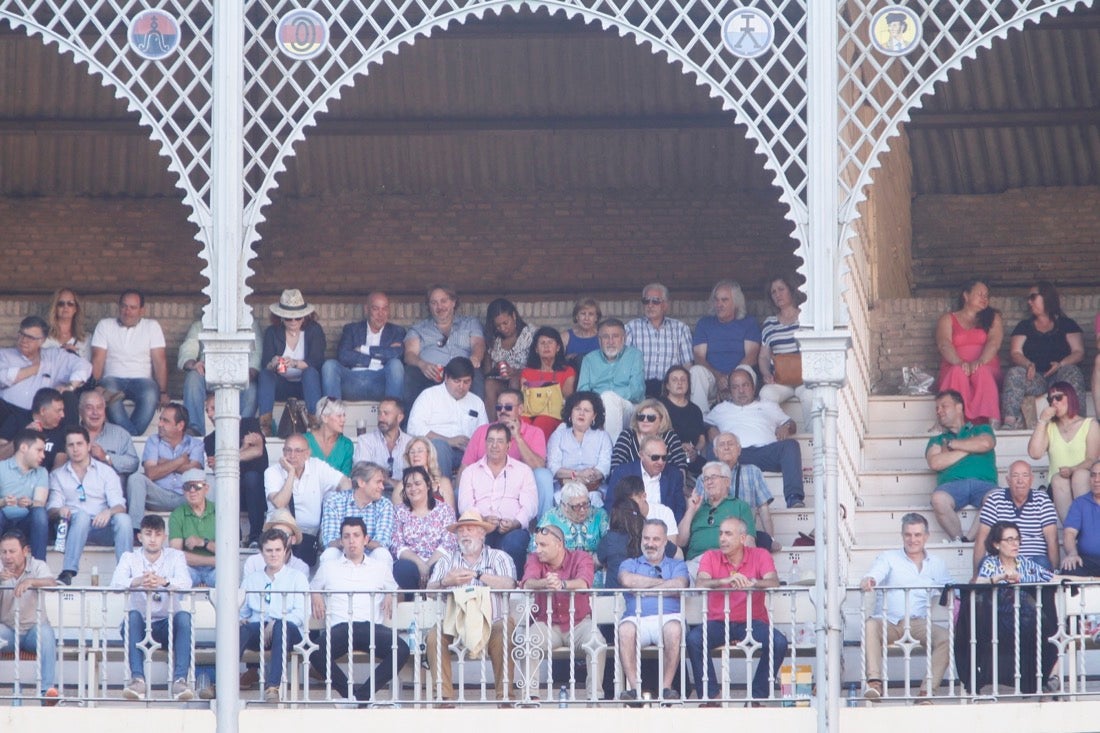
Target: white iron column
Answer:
[[227, 338], [824, 348]]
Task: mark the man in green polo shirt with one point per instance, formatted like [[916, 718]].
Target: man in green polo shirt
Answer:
[[699, 529], [965, 463], [191, 528]]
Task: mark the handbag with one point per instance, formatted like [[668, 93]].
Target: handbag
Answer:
[[295, 418], [544, 400], [788, 369]]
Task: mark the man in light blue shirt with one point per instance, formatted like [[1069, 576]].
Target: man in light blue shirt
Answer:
[[274, 610], [24, 487], [915, 578], [616, 372], [167, 456]]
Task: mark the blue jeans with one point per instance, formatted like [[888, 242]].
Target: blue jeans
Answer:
[[145, 395], [449, 457], [202, 575], [194, 399], [252, 636], [762, 633], [783, 456], [35, 526], [513, 543], [391, 651], [362, 384], [40, 640], [544, 482], [118, 532], [967, 491], [274, 386], [181, 642], [254, 501]]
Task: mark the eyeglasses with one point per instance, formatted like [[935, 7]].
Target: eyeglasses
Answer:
[[1015, 540], [66, 304], [295, 450], [81, 495], [23, 335], [648, 417], [712, 477], [581, 505], [506, 408], [658, 457], [296, 318], [652, 301], [1033, 296], [1057, 397]]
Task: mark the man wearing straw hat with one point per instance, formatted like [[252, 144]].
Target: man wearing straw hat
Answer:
[[473, 565]]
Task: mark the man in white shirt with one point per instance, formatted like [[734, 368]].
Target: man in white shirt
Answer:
[[153, 572], [299, 482], [447, 414], [367, 612], [764, 431], [88, 495], [386, 445], [125, 352], [917, 578]]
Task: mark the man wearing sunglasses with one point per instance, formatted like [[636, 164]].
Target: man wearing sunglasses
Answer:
[[191, 528], [664, 483], [528, 444], [965, 464], [700, 528], [664, 342], [88, 495]]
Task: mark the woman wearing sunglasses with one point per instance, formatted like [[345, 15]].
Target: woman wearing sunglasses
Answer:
[[650, 418], [294, 350], [1045, 348], [1072, 442]]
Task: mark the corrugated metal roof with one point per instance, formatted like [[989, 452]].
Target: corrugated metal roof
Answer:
[[1025, 113]]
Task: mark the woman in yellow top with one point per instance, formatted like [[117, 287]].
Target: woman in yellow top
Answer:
[[1071, 440]]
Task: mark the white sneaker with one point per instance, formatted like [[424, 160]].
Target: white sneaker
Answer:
[[181, 691], [135, 690]]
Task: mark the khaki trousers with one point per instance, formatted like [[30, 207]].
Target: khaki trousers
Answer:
[[918, 629]]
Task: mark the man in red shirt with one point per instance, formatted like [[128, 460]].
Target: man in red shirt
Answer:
[[740, 568], [553, 568]]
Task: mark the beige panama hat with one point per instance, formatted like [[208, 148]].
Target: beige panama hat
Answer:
[[291, 305], [471, 518]]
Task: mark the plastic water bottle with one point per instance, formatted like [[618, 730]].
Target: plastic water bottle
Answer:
[[853, 695], [563, 697], [62, 532], [795, 575]]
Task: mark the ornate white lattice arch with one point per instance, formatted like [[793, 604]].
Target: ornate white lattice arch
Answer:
[[284, 97], [892, 87]]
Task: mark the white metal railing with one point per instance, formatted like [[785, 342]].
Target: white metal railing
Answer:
[[1001, 642]]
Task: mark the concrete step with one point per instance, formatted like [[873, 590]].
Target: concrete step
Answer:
[[917, 414]]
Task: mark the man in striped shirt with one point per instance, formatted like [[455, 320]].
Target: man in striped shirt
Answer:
[[664, 342], [1032, 511]]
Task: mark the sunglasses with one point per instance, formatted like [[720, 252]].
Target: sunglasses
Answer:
[[1056, 397], [194, 487], [297, 318], [652, 301], [710, 516], [551, 530], [657, 571], [505, 408], [81, 495], [658, 457], [66, 304], [1033, 296], [442, 342], [648, 417], [267, 595]]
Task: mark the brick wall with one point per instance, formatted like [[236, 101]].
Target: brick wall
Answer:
[[889, 227], [1011, 238], [555, 244], [903, 333]]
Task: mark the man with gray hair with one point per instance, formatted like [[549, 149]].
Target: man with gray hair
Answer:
[[615, 373], [664, 342], [721, 342], [915, 577]]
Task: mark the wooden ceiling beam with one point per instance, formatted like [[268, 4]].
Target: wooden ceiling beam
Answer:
[[1004, 118]]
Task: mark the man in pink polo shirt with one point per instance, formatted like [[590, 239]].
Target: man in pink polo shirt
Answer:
[[559, 617], [528, 445], [738, 569]]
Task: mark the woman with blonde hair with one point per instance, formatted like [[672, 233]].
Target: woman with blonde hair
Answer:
[[649, 418], [327, 441], [66, 319], [421, 452]]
